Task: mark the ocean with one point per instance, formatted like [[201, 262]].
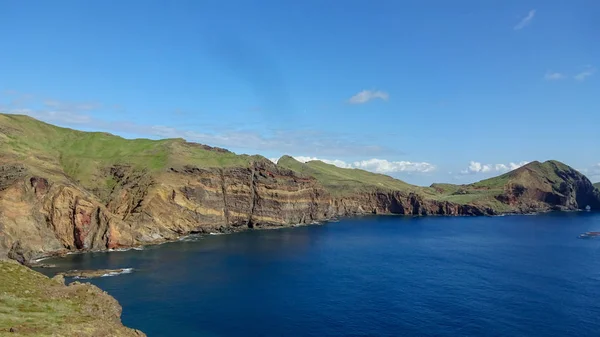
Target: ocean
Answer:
[[366, 276]]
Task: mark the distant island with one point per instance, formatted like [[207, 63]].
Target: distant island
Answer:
[[63, 190]]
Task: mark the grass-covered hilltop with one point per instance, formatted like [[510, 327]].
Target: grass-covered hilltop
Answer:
[[65, 190], [597, 185]]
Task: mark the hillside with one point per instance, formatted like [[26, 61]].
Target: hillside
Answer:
[[538, 185], [64, 190], [31, 304], [597, 185], [549, 185], [346, 181], [82, 156]]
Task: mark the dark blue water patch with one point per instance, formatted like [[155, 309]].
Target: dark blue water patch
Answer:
[[371, 276]]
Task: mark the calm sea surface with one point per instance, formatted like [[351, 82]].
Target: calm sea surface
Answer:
[[370, 276]]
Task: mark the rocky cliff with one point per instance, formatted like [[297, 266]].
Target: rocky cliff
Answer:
[[64, 190], [34, 305]]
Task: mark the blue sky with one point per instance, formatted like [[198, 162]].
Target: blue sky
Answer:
[[422, 90]]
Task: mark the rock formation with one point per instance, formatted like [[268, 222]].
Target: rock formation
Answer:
[[64, 190]]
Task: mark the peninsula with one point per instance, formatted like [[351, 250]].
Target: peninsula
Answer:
[[63, 190]]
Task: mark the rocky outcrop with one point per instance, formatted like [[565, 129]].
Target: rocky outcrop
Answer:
[[34, 305], [549, 186]]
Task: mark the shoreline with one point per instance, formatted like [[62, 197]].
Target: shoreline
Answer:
[[32, 263]]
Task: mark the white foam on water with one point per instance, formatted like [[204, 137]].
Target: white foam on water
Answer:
[[190, 238], [115, 273]]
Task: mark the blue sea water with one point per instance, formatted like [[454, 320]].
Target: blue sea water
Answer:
[[369, 276]]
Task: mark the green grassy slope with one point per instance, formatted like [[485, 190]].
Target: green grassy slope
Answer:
[[525, 175], [81, 154], [33, 305], [340, 178], [343, 180], [597, 185], [62, 153]]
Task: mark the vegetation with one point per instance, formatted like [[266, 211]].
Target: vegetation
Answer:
[[85, 156], [31, 304], [345, 181], [82, 155], [541, 176], [597, 185]]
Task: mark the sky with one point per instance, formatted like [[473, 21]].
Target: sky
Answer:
[[425, 91]]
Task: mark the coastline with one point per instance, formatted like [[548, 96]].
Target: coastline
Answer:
[[182, 238]]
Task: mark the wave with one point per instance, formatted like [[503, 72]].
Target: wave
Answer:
[[124, 249], [190, 238], [115, 273], [109, 274]]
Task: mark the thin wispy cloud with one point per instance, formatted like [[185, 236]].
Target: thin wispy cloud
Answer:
[[320, 143], [68, 106], [377, 165], [367, 95], [587, 72], [554, 76], [477, 167], [526, 20], [594, 171]]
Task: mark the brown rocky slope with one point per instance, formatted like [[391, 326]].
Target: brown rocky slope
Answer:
[[65, 190]]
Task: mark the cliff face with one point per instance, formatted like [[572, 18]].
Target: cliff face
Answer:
[[40, 216], [379, 202], [54, 199], [59, 310]]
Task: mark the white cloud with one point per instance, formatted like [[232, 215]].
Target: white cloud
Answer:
[[589, 71], [72, 107], [336, 162], [553, 76], [367, 95], [384, 166], [477, 167], [594, 170], [377, 165], [526, 20]]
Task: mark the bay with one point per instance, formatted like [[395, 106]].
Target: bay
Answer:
[[366, 276]]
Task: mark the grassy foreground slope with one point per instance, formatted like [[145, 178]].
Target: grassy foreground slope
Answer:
[[31, 304]]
